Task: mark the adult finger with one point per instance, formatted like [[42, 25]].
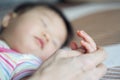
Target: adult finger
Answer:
[[95, 74], [93, 59], [67, 53], [98, 72]]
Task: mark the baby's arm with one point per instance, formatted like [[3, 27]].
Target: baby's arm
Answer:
[[87, 43]]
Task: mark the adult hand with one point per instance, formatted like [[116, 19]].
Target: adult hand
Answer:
[[71, 65]]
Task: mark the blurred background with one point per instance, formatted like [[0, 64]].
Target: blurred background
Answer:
[[99, 18]]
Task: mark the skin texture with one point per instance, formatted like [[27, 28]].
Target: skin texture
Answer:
[[22, 32]]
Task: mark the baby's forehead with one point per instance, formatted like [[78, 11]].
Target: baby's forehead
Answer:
[[41, 9], [45, 11]]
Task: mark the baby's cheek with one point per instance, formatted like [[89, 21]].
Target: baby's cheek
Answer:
[[48, 51]]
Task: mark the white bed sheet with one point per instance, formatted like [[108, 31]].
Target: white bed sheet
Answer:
[[113, 58]]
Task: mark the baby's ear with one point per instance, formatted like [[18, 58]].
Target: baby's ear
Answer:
[[7, 18]]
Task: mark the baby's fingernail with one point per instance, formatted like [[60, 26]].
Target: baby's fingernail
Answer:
[[78, 31], [83, 42], [83, 32]]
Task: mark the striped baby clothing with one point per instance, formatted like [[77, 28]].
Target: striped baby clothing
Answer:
[[14, 66]]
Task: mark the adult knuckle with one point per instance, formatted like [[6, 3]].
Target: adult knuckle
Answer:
[[87, 64]]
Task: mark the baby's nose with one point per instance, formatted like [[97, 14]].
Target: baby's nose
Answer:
[[46, 36]]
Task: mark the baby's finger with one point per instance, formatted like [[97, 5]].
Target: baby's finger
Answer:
[[73, 45], [87, 38], [87, 46]]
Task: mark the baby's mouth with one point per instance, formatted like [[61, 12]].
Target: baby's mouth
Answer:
[[41, 42]]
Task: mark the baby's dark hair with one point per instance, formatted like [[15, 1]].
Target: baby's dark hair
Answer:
[[27, 6]]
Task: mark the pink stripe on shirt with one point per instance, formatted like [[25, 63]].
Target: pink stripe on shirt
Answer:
[[7, 62]]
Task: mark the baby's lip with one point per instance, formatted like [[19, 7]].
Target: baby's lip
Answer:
[[40, 41]]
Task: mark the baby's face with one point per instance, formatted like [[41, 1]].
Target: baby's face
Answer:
[[39, 31]]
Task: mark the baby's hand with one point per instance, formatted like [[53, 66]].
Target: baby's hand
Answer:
[[87, 43]]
